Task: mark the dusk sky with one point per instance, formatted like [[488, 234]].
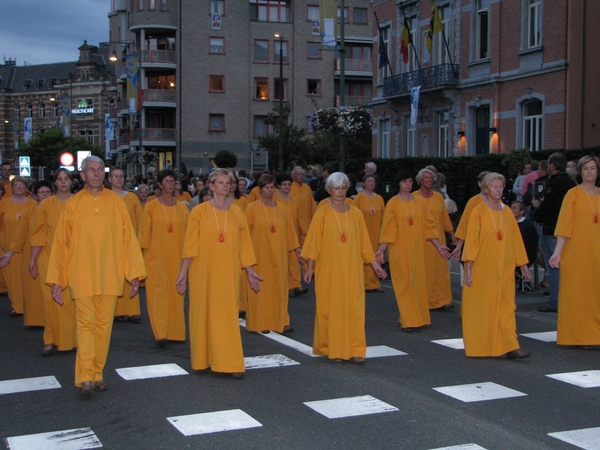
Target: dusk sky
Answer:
[[41, 32]]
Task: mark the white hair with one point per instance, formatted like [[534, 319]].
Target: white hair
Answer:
[[336, 179], [92, 158], [372, 166], [422, 172]]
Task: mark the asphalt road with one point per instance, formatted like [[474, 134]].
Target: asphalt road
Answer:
[[396, 394]]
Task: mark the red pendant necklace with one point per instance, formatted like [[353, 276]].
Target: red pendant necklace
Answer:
[[498, 231], [343, 233], [410, 218], [592, 205], [271, 226], [169, 224], [220, 234]]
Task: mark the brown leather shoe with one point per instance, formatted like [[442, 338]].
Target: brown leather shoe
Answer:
[[48, 349], [87, 387], [100, 385], [300, 291], [237, 375], [518, 354], [287, 329], [358, 360]]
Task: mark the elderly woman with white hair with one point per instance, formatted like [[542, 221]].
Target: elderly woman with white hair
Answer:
[[439, 292], [336, 247]]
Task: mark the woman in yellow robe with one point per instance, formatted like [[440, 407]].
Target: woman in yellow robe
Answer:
[[33, 299], [283, 195], [128, 308], [372, 207], [407, 226], [161, 238], [336, 247], [3, 287], [577, 253], [236, 198], [181, 195], [493, 248], [439, 291], [273, 236], [217, 246], [60, 327], [12, 209]]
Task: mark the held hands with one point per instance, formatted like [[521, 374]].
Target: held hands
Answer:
[[379, 271], [308, 275], [444, 251], [301, 260], [455, 255], [379, 256], [135, 287]]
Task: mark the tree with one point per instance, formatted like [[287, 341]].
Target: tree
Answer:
[[45, 148], [294, 143], [225, 159]]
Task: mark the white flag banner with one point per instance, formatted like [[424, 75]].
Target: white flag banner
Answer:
[[27, 129], [109, 133], [414, 104]]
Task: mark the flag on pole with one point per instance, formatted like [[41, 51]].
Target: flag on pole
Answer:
[[133, 73], [383, 54], [27, 129], [405, 41], [328, 25], [414, 104], [435, 26]]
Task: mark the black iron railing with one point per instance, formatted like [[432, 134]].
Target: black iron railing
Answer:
[[443, 74]]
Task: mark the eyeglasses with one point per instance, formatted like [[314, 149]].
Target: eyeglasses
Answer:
[[168, 181], [117, 176]]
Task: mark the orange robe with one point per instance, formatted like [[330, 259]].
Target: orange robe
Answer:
[[60, 327], [253, 195], [579, 287], [10, 214], [325, 201], [488, 306], [33, 299], [439, 290], [242, 202], [339, 281], [306, 205], [184, 197], [294, 277], [214, 283], [130, 306], [372, 209], [273, 236], [461, 230], [163, 251], [406, 252]]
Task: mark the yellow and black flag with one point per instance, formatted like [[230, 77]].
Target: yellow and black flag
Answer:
[[435, 26]]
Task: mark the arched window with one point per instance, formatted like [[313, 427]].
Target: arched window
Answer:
[[532, 125], [17, 111]]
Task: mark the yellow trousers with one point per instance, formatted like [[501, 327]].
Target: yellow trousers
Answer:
[[94, 327]]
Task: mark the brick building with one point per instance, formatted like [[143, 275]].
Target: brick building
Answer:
[[510, 74], [209, 71]]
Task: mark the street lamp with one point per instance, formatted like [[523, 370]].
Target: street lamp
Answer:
[[280, 169]]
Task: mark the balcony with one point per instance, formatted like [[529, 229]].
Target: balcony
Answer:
[[352, 100], [154, 136], [159, 97], [362, 67], [443, 75], [158, 58]]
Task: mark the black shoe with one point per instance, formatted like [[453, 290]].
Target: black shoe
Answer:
[[161, 342], [518, 354], [48, 350], [447, 307], [546, 309], [300, 291], [13, 313], [374, 291], [242, 315], [287, 329]]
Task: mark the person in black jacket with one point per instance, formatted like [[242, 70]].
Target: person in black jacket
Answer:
[[528, 231], [546, 212], [320, 192]]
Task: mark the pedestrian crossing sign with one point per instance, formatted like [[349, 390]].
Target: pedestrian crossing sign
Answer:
[[24, 161], [25, 171]]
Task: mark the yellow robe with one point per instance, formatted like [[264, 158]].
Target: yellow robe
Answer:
[[439, 289], [372, 209], [163, 251], [339, 281], [130, 306], [214, 283], [406, 252], [325, 202], [93, 250], [242, 202], [488, 306], [184, 197], [294, 280], [268, 309], [60, 327], [579, 287], [33, 299], [461, 230], [306, 205], [10, 214], [253, 195]]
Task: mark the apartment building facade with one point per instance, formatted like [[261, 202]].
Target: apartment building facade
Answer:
[[503, 75], [211, 71]]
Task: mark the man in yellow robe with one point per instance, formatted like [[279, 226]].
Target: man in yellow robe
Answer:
[[94, 249], [304, 196]]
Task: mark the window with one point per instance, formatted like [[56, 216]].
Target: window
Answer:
[[88, 135], [216, 83], [41, 110], [442, 135], [313, 50], [217, 45], [261, 89], [216, 122], [482, 30], [359, 16], [532, 125], [314, 87], [277, 86], [260, 127], [54, 109], [152, 5], [164, 5], [358, 57], [140, 5], [534, 38], [345, 15], [261, 51], [385, 138], [384, 72], [217, 6], [440, 53], [312, 12], [269, 10], [276, 49], [411, 139], [17, 111], [29, 110]]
